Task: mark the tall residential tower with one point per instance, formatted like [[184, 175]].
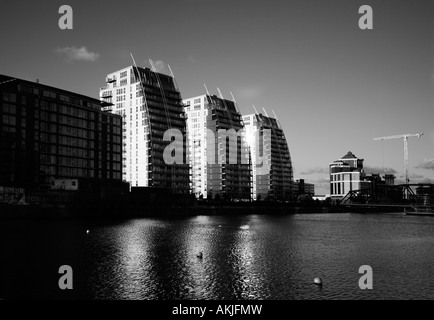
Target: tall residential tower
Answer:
[[150, 104], [217, 149], [271, 159]]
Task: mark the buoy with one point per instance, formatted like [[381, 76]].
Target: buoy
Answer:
[[318, 281], [200, 255], [87, 231]]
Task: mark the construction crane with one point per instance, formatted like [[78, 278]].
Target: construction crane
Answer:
[[405, 137]]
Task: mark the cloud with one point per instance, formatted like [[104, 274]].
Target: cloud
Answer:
[[320, 181], [192, 59], [426, 164], [321, 170], [78, 54], [249, 92], [413, 176], [161, 67], [379, 170]]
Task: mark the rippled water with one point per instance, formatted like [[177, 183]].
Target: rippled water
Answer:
[[244, 257]]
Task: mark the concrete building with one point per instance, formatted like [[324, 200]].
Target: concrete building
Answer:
[[49, 134], [425, 194], [303, 188], [346, 174], [271, 160], [150, 104], [217, 149]]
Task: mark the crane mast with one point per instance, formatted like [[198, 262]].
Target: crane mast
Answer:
[[405, 137]]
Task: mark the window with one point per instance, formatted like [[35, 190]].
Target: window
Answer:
[[49, 94], [10, 120], [9, 108], [9, 97]]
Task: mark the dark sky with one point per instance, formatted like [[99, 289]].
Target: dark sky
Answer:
[[334, 86]]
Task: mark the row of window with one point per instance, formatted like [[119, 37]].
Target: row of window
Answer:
[[9, 120], [9, 97], [342, 176], [67, 172], [66, 161], [120, 91], [9, 108]]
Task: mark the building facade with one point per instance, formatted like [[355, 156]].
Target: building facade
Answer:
[[303, 188], [425, 194], [49, 134], [150, 105], [347, 174], [271, 160], [217, 150]]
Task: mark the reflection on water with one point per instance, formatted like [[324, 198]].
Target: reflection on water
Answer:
[[244, 257]]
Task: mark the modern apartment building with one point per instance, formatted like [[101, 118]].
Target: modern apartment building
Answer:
[[271, 160], [150, 104], [49, 134], [217, 149]]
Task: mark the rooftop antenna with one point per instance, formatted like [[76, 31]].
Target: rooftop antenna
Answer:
[[226, 108], [265, 111], [174, 80], [220, 94], [277, 119], [160, 85], [171, 72], [148, 122], [137, 70], [208, 96], [235, 102], [153, 68], [256, 111], [207, 92], [134, 61]]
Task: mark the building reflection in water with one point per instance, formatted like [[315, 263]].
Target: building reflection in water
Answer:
[[135, 267], [226, 270]]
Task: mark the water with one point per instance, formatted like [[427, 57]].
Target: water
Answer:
[[244, 257]]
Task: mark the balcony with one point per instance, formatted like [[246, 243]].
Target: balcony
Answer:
[[106, 109], [110, 80], [106, 104]]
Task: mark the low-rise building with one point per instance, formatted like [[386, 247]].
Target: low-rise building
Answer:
[[303, 188], [346, 174]]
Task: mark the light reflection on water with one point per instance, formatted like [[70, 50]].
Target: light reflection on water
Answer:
[[244, 257]]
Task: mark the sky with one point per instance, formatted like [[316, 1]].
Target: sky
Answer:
[[333, 86]]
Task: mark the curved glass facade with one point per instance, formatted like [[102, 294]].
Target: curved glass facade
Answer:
[[271, 159]]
